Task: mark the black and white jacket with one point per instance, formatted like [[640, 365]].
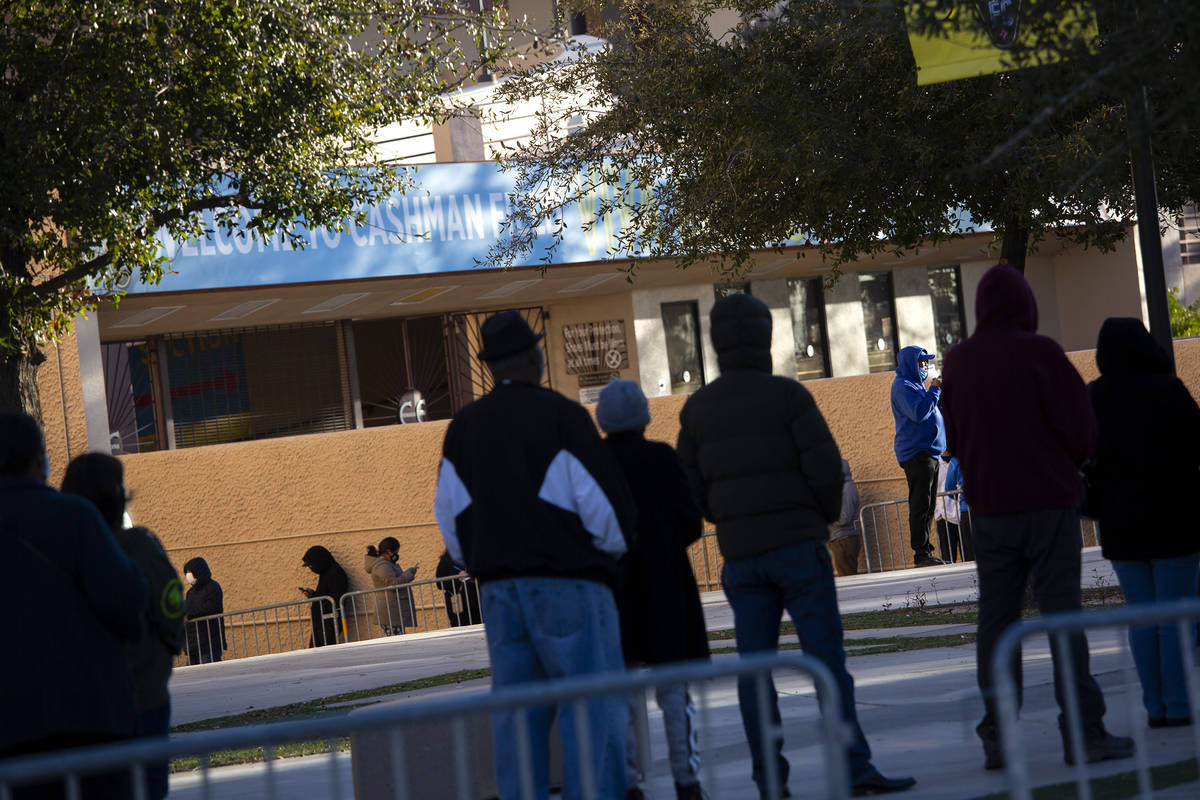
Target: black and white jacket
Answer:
[[527, 488]]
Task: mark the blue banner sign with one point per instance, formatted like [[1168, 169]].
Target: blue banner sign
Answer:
[[446, 224]]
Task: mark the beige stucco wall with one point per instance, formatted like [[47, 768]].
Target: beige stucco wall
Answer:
[[62, 405]]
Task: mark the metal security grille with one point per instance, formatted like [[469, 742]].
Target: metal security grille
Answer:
[[469, 377], [402, 370], [255, 383], [129, 389]]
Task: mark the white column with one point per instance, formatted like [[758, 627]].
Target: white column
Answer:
[[846, 327], [783, 342], [914, 309], [91, 378]]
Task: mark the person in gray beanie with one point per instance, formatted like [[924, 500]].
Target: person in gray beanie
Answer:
[[764, 467], [657, 599]]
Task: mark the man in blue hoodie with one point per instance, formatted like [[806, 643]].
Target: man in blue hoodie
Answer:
[[920, 439]]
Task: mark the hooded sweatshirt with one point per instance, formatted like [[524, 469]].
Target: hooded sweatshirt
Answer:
[[1016, 411], [204, 599], [331, 582], [919, 426], [1147, 463], [758, 454]]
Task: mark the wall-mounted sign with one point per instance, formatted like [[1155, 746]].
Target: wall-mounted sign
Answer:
[[590, 394], [595, 346], [600, 379]]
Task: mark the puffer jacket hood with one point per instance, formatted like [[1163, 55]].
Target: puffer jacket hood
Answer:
[[1004, 299], [199, 569], [741, 333], [1125, 347], [318, 558], [908, 363]]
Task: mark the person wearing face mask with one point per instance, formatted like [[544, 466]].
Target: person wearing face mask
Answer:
[[64, 680], [205, 638], [920, 440], [394, 608]]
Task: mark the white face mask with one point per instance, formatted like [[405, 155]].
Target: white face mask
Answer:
[[189, 577]]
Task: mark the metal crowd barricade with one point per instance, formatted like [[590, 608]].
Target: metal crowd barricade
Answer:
[[1059, 627], [257, 631], [428, 605], [883, 527], [395, 722]]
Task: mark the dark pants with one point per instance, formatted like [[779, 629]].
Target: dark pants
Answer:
[[103, 786], [155, 722], [1010, 549], [799, 578], [921, 472], [955, 539]]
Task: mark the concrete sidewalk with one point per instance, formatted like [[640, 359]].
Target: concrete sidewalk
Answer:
[[917, 708], [231, 687]]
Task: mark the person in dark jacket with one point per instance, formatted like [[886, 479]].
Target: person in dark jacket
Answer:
[[657, 599], [1145, 471], [331, 582], [64, 677], [460, 591], [100, 479], [920, 440], [1019, 422], [764, 467], [205, 638], [533, 504]]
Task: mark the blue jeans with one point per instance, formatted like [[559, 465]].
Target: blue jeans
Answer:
[[797, 577], [540, 629], [1156, 648]]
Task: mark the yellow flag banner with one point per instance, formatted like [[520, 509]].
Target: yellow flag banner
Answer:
[[969, 38]]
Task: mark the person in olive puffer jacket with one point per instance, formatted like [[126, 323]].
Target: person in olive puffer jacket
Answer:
[[764, 467]]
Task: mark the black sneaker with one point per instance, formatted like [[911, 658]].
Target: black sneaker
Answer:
[[691, 791], [993, 754], [927, 560], [635, 794], [875, 783]]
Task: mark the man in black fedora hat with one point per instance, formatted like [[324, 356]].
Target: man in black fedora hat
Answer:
[[531, 502]]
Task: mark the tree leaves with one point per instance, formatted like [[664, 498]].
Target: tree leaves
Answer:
[[122, 117]]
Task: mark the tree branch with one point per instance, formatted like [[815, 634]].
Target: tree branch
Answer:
[[157, 220]]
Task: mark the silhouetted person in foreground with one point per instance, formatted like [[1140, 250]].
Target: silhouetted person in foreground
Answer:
[[100, 479], [661, 617], [1019, 422], [64, 677], [532, 503], [1141, 486], [764, 467]]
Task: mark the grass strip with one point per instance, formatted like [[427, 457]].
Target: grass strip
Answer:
[[875, 645], [322, 705], [1121, 786], [254, 755]]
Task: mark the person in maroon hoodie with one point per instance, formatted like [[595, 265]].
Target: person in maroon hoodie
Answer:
[[1019, 421]]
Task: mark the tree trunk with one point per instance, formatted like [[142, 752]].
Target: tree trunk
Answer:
[[1016, 242], [18, 380]]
